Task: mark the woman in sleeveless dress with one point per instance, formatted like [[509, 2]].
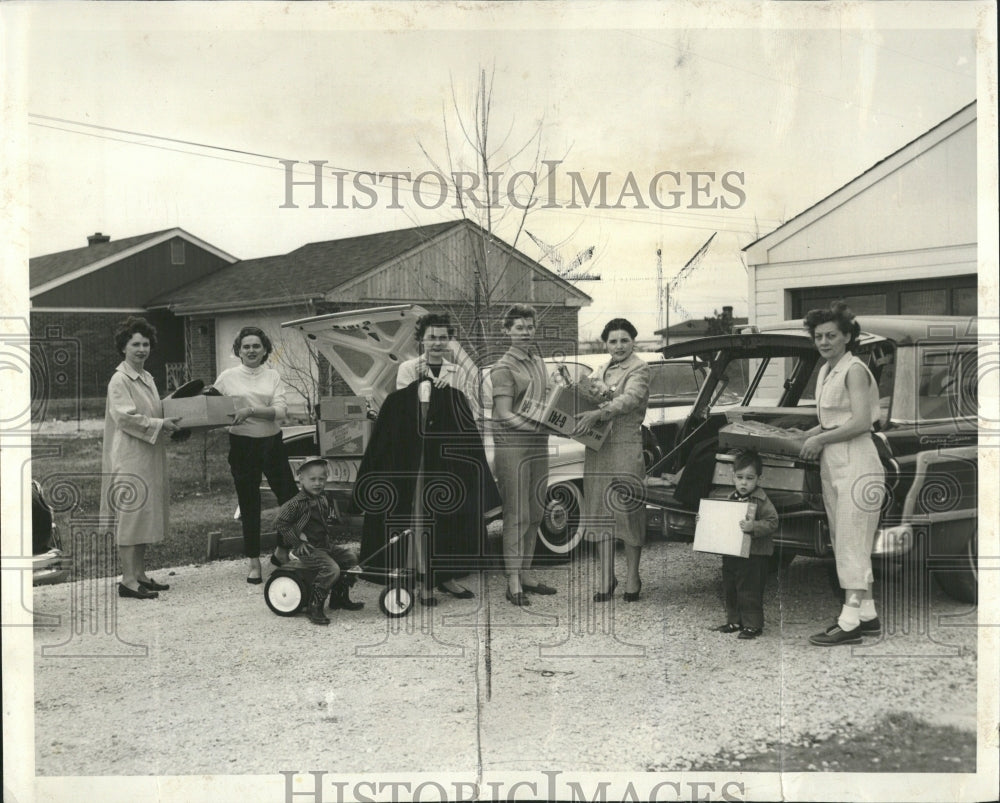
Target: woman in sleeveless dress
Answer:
[[850, 470]]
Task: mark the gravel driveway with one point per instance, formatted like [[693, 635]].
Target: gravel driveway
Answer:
[[223, 686]]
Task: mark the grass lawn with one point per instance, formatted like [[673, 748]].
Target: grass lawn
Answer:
[[202, 497]]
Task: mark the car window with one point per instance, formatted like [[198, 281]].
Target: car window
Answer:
[[881, 361], [947, 385], [770, 376], [675, 379]]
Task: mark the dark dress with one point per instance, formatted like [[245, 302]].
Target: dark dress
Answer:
[[427, 469]]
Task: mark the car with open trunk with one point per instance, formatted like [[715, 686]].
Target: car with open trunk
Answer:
[[927, 435]]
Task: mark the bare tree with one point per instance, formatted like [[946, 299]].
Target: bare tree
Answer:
[[474, 163], [300, 364]]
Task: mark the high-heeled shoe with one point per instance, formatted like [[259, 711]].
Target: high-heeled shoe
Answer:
[[604, 596], [518, 598], [632, 596]]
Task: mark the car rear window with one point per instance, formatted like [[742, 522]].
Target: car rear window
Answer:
[[674, 379], [948, 382]]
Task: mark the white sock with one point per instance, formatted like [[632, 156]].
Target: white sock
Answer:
[[867, 610], [849, 619]]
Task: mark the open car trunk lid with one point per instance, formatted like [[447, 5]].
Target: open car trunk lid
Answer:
[[367, 346]]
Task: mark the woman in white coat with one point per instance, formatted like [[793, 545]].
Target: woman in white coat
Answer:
[[135, 488]]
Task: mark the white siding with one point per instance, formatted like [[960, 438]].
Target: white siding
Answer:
[[912, 217], [928, 202]]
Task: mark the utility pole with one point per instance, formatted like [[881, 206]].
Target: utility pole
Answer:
[[659, 287]]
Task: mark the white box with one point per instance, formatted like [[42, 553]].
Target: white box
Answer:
[[344, 438], [718, 527], [202, 412], [343, 408]]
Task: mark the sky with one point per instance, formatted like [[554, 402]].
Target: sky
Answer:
[[136, 122]]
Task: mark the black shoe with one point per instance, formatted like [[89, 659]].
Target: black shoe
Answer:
[[255, 581], [152, 585], [835, 635], [540, 589], [278, 562], [520, 599], [315, 609], [873, 627], [463, 594], [632, 596], [340, 598], [429, 602], [729, 627], [604, 596], [139, 593], [750, 632]]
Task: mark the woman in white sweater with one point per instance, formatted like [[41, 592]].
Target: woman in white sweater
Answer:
[[255, 445]]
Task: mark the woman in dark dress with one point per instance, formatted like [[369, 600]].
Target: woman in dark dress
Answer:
[[425, 469]]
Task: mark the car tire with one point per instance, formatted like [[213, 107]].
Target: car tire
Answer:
[[559, 535], [959, 578]]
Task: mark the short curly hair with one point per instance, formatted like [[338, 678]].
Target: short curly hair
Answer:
[[133, 325], [839, 313], [619, 323], [516, 311], [253, 331], [425, 322]]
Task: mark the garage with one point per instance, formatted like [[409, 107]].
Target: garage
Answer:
[[899, 239]]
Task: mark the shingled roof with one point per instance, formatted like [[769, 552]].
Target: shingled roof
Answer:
[[49, 269], [309, 272], [44, 269]]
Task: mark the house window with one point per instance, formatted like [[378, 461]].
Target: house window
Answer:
[[965, 300], [954, 295], [176, 252], [924, 302]]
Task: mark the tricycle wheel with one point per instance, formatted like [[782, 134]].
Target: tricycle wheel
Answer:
[[395, 601], [284, 593]]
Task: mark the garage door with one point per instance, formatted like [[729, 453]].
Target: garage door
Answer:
[[955, 295]]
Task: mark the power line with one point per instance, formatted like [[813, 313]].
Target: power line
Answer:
[[702, 218]]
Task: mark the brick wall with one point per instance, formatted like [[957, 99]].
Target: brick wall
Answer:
[[200, 336], [73, 355]]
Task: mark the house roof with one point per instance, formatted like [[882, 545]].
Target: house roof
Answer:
[[861, 182], [696, 327], [48, 271], [309, 272]]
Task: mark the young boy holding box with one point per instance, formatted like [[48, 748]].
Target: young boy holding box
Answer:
[[743, 579], [302, 527]]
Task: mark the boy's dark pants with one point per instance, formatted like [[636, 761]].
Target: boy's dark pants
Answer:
[[743, 581], [328, 564]]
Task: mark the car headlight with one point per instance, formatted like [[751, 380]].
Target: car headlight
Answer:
[[896, 540]]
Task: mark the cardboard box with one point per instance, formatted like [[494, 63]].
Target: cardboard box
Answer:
[[344, 438], [718, 527], [343, 408], [765, 438], [202, 412], [780, 474], [558, 411]]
